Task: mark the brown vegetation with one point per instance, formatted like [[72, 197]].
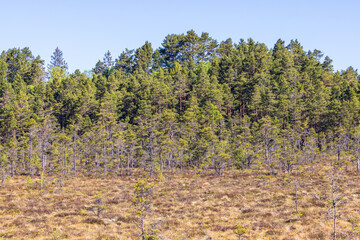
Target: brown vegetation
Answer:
[[185, 206]]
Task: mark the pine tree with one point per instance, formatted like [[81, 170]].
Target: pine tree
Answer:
[[143, 57], [57, 60]]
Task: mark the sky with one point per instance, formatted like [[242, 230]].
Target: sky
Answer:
[[85, 29]]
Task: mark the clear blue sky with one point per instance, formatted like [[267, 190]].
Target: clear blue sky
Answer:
[[85, 30]]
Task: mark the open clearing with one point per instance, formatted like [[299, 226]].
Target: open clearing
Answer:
[[186, 206]]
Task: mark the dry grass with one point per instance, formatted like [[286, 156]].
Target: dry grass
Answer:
[[185, 207]]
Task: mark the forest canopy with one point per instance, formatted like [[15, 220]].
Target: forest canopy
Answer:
[[192, 103]]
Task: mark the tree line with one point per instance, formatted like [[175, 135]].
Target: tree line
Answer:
[[192, 103]]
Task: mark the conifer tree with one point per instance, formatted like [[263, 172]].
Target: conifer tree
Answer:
[[57, 60]]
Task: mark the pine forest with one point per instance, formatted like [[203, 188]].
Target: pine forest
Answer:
[[197, 139]]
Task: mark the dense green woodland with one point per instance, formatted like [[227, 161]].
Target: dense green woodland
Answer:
[[193, 103]]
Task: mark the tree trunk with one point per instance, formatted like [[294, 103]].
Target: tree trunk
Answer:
[[3, 178], [64, 163], [296, 197], [357, 156], [181, 160], [74, 159], [105, 160], [334, 216], [142, 228]]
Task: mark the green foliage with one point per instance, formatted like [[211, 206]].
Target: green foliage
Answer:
[[151, 237], [42, 180], [98, 205], [142, 202], [56, 234], [57, 60], [29, 182], [192, 103], [240, 230], [143, 191], [239, 159]]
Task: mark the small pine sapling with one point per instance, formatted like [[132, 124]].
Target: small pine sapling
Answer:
[[296, 185], [355, 228], [42, 180], [335, 198], [142, 203], [240, 231], [3, 177], [56, 234], [29, 182], [3, 163], [98, 206]]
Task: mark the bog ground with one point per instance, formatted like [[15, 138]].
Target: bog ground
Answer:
[[185, 206]]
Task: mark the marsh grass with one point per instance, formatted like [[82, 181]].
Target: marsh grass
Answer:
[[185, 207]]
